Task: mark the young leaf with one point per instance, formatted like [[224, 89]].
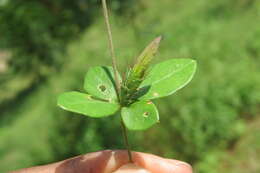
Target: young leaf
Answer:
[[145, 58], [140, 115], [166, 78], [83, 103], [136, 74], [99, 82]]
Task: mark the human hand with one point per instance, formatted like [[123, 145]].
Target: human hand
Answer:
[[116, 161]]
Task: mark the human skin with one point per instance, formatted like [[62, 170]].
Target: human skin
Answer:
[[113, 161]]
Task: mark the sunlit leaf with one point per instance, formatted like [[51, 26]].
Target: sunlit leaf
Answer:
[[99, 82], [166, 78], [140, 115], [84, 104]]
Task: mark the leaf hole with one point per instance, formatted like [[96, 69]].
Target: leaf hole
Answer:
[[102, 88], [145, 114]]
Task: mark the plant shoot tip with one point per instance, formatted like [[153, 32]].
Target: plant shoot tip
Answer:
[[158, 39]]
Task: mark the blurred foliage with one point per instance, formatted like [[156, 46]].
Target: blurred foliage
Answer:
[[36, 28], [37, 32], [197, 124]]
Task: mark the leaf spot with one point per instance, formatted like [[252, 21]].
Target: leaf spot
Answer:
[[89, 97], [149, 102], [145, 114], [102, 88], [155, 94]]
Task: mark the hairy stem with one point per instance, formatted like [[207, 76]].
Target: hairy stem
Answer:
[[111, 47], [126, 141]]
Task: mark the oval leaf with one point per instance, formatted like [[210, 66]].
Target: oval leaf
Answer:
[[83, 103], [99, 82], [166, 78], [140, 115]]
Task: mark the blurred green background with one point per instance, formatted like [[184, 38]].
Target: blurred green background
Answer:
[[47, 46]]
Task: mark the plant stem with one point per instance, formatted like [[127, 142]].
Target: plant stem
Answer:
[[126, 141], [118, 87], [111, 47]]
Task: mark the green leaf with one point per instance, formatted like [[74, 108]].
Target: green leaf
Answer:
[[84, 104], [99, 82], [140, 115], [166, 78]]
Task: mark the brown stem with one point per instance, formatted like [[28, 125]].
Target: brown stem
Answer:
[[111, 47], [126, 141]]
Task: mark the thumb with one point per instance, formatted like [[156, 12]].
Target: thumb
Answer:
[[131, 168]]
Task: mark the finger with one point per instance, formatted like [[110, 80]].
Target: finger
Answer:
[[131, 168], [187, 169], [106, 161], [157, 164], [109, 161], [98, 162], [150, 162]]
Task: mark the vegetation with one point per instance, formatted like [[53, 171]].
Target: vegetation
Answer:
[[38, 32], [107, 93], [201, 124]]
